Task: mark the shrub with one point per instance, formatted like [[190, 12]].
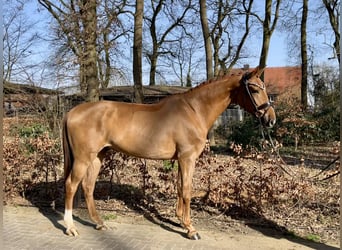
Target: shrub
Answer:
[[31, 157], [245, 133], [32, 131], [319, 123]]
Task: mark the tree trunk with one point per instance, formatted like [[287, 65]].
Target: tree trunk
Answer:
[[137, 51], [268, 29], [90, 54], [106, 47], [188, 79], [82, 76], [266, 36], [206, 38], [155, 44], [208, 54], [304, 56], [153, 68]]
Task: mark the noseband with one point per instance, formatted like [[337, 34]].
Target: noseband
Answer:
[[260, 110]]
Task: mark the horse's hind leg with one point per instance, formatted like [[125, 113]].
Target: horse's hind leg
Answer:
[[71, 183], [88, 185]]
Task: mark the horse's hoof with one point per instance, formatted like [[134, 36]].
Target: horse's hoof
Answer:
[[72, 232], [194, 236], [102, 227]]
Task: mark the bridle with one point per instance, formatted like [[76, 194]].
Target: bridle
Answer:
[[260, 110]]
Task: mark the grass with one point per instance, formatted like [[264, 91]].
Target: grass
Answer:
[[110, 217], [313, 237], [170, 165], [310, 237]]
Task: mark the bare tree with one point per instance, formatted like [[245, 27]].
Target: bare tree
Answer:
[[233, 52], [110, 30], [186, 58], [162, 22], [298, 25], [78, 22], [19, 39], [295, 23], [90, 36], [220, 35], [333, 9]]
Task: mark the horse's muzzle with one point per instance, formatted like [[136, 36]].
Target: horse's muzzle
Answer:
[[269, 118]]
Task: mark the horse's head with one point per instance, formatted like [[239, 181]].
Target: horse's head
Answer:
[[252, 96]]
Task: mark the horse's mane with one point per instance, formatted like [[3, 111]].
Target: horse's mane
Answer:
[[208, 82], [214, 79]]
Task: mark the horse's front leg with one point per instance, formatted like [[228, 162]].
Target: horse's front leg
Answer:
[[184, 186]]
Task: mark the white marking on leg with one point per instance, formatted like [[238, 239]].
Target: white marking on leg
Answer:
[[70, 227], [68, 217]]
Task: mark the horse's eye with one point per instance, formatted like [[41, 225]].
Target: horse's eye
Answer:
[[254, 91]]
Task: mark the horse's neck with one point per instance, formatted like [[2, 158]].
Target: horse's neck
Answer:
[[212, 99]]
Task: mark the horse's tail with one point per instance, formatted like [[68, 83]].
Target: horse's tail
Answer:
[[68, 157]]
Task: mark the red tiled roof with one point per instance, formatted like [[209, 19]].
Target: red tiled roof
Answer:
[[280, 79]]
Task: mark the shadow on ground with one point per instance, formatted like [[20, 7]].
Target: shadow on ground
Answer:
[[48, 197]]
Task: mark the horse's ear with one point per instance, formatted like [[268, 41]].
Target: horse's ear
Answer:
[[257, 71]]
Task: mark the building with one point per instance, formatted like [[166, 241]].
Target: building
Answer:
[[280, 81], [283, 81], [26, 99]]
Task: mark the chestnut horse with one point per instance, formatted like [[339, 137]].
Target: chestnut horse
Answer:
[[174, 128]]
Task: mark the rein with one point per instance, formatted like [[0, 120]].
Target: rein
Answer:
[[292, 174]]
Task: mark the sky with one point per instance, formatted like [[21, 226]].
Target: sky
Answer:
[[277, 55], [278, 52]]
